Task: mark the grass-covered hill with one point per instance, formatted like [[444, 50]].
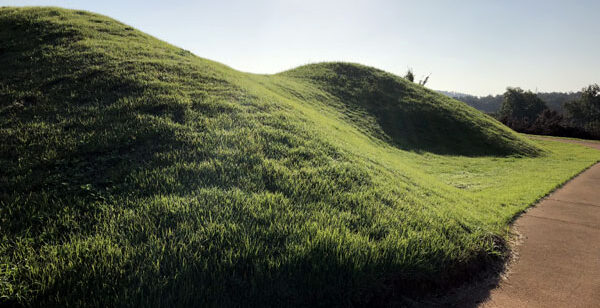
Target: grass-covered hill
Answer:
[[134, 173], [408, 116]]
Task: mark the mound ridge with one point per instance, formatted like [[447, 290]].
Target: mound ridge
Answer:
[[410, 116], [135, 172]]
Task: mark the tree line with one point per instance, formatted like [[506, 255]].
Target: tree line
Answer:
[[493, 103], [578, 115], [573, 114]]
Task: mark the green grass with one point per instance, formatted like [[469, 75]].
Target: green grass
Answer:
[[134, 173], [560, 138]]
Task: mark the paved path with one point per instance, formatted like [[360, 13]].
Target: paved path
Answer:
[[558, 261]]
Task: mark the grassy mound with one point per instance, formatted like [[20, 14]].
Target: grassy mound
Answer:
[[410, 116], [135, 173]]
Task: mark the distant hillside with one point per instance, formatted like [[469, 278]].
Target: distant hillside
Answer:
[[134, 173], [452, 94], [555, 100]]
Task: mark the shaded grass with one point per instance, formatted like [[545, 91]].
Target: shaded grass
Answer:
[[537, 137], [134, 173], [409, 116]]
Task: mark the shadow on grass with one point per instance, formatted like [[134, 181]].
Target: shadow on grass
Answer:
[[471, 290], [409, 116]]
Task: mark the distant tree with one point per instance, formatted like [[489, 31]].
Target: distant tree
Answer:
[[409, 75], [487, 104], [585, 111], [521, 106], [549, 122], [568, 114], [492, 104], [556, 100]]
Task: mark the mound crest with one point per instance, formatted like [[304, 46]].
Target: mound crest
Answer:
[[411, 116]]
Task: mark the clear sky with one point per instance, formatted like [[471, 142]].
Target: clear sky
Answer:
[[478, 47]]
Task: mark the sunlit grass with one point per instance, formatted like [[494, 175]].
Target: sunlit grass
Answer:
[[135, 173]]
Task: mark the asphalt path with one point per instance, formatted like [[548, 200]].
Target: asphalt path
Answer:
[[558, 261]]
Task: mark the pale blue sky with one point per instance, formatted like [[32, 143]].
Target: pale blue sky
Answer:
[[477, 47]]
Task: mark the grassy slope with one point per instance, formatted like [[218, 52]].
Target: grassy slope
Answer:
[[136, 173]]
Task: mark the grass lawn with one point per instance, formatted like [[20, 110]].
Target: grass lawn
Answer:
[[564, 138], [134, 173]]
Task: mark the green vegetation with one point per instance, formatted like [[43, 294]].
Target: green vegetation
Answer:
[[525, 112], [584, 113], [492, 103], [556, 114], [135, 173], [521, 105], [410, 76]]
